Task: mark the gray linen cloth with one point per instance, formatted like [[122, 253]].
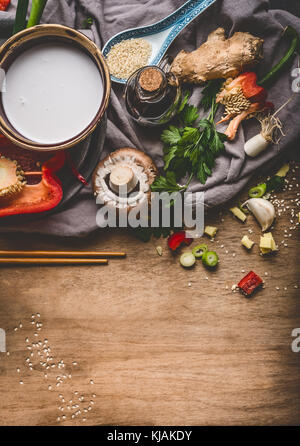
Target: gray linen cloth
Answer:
[[233, 170]]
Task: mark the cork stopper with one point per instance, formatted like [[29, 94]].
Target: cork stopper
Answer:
[[150, 79]]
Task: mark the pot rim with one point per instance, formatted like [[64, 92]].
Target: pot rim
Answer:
[[61, 33]]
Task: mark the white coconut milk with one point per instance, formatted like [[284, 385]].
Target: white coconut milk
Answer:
[[53, 92]]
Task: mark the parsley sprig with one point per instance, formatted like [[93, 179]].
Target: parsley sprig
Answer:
[[190, 149]]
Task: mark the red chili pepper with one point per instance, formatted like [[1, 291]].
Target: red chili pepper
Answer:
[[251, 90], [250, 283], [4, 5], [176, 239], [74, 170]]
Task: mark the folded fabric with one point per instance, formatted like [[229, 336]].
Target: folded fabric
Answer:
[[233, 170]]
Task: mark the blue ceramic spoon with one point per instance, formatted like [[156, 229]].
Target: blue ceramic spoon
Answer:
[[161, 34]]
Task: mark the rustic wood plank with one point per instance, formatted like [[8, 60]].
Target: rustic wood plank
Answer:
[[158, 350]]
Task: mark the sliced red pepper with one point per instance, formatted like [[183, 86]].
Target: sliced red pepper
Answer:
[[250, 283], [177, 239], [248, 83], [251, 90], [4, 4], [35, 198]]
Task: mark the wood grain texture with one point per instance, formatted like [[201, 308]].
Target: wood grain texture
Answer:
[[158, 350]]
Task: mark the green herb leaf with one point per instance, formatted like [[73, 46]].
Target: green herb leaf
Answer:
[[209, 92], [166, 184], [171, 136], [189, 115], [191, 148]]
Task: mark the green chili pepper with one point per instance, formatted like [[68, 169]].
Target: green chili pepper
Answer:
[[199, 250], [258, 191], [245, 210], [37, 9], [210, 259], [292, 34]]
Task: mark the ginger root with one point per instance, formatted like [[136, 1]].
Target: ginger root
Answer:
[[218, 57]]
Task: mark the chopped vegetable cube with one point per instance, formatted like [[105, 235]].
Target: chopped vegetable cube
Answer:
[[247, 242], [268, 235], [282, 172], [238, 213], [266, 243], [250, 283], [210, 230], [265, 251]]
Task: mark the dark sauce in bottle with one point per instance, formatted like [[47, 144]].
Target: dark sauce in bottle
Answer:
[[152, 96]]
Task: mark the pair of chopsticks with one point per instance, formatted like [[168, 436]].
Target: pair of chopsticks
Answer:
[[57, 257]]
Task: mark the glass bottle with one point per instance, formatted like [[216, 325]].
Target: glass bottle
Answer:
[[152, 96]]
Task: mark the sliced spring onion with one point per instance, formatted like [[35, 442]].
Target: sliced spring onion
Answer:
[[187, 259], [258, 191], [21, 13], [199, 250], [210, 259]]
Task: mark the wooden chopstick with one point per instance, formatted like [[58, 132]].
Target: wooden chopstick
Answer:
[[50, 261], [58, 254]]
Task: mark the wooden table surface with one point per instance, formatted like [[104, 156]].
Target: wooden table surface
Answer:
[[144, 342]]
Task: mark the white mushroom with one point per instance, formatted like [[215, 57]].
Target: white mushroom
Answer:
[[263, 210], [122, 179]]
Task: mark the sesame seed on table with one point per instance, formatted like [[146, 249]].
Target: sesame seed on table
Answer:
[[144, 341]]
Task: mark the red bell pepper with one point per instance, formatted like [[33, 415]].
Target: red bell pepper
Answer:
[[4, 4], [248, 83], [251, 90], [35, 198], [250, 283], [40, 197], [177, 239]]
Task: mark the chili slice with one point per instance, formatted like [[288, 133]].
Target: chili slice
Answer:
[[250, 283], [177, 239], [258, 191], [199, 250], [210, 259], [4, 4]]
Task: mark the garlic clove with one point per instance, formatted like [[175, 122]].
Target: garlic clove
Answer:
[[263, 210]]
